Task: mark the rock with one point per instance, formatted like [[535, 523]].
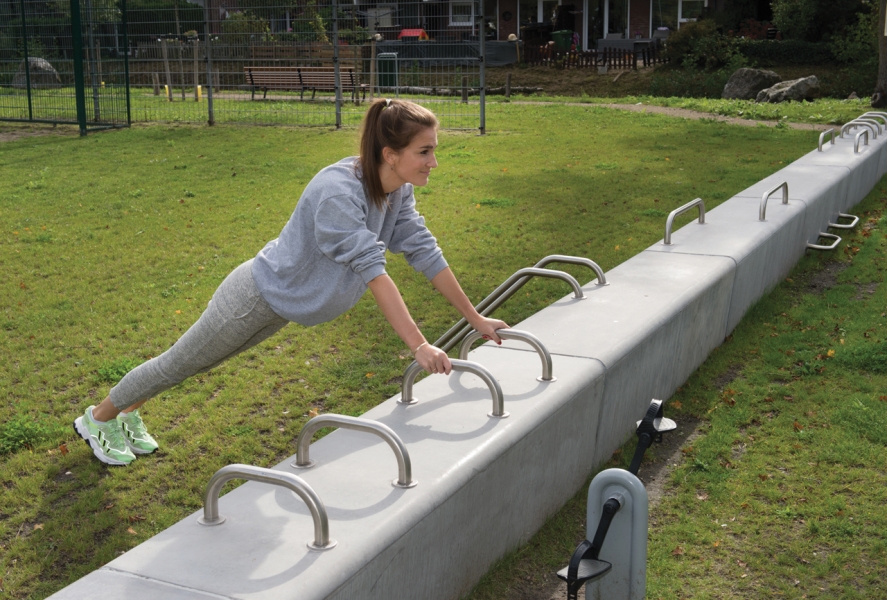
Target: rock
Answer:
[[797, 90], [745, 84], [853, 96], [43, 75]]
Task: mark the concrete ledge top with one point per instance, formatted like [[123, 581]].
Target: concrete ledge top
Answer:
[[733, 228], [806, 181], [645, 292], [261, 552]]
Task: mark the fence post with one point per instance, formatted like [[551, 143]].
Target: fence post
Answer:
[[165, 53], [93, 76], [210, 114], [125, 25], [483, 83], [336, 74], [77, 46], [196, 42], [465, 89], [27, 62]]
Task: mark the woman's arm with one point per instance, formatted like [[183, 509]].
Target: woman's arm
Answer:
[[446, 284], [430, 358]]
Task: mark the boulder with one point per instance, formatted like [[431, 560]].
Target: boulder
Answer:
[[797, 90], [43, 75], [745, 84]]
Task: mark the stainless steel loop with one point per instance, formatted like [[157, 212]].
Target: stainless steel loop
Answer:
[[828, 236], [864, 132], [850, 225], [575, 260], [762, 212], [825, 133], [859, 124], [681, 209], [304, 491], [873, 114], [872, 123], [409, 377], [514, 334], [404, 465]]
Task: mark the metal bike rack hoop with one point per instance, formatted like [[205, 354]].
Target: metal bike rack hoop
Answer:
[[850, 225], [864, 132], [828, 236], [409, 377], [681, 209], [514, 334], [825, 133], [762, 213], [404, 465], [304, 491]]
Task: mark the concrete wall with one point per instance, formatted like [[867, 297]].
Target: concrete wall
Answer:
[[485, 484]]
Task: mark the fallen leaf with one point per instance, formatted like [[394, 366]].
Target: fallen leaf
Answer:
[[740, 563], [677, 551], [798, 426], [63, 449], [764, 477], [131, 531], [703, 496], [830, 353], [312, 413], [717, 543], [109, 506], [38, 526], [136, 518], [368, 375], [676, 405]]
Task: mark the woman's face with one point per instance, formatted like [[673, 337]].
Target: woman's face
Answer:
[[413, 164]]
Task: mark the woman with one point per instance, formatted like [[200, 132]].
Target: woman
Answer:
[[328, 254]]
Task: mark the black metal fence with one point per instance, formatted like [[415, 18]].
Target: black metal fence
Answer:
[[611, 58], [296, 62], [68, 76]]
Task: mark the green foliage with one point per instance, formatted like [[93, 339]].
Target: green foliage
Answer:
[[859, 45], [815, 20], [769, 53], [689, 82], [244, 28], [27, 432], [700, 45], [112, 372]]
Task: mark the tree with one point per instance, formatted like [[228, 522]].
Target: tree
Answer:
[[815, 20], [879, 98]]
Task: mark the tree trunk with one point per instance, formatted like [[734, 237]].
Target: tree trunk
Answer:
[[879, 98]]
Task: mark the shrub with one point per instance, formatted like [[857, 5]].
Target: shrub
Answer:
[[815, 20], [689, 82], [699, 45], [768, 53]]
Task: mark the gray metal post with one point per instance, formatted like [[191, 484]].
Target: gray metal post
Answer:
[[93, 76], [210, 118], [626, 543], [337, 75], [483, 77]]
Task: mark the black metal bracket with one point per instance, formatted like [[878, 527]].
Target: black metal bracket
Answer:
[[650, 429]]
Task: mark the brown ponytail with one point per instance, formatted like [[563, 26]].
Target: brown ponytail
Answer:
[[392, 124]]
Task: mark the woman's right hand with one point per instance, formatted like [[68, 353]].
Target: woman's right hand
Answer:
[[433, 359]]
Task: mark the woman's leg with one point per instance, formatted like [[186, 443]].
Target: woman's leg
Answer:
[[236, 319]]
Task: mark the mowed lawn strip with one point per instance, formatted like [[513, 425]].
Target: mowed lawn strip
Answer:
[[783, 493], [112, 244]]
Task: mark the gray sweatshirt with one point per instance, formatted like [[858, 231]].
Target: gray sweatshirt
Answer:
[[334, 245]]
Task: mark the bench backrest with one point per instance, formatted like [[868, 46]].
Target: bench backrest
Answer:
[[320, 78]]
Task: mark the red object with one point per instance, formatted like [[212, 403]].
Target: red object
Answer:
[[417, 33]]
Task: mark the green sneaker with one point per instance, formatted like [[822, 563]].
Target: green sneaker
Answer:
[[135, 434], [105, 439]]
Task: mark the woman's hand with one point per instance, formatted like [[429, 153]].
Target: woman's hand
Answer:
[[433, 359], [487, 327]]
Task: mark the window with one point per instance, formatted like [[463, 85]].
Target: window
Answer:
[[690, 10], [461, 13]]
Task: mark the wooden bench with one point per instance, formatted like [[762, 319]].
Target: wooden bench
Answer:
[[303, 78]]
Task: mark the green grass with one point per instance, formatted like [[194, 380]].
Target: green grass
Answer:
[[783, 495], [112, 244]]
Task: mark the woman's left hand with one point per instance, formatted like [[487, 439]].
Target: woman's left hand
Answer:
[[488, 327]]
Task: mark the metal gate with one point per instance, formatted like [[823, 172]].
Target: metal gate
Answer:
[[64, 62]]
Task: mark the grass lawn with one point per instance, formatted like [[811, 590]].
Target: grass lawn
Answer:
[[112, 244]]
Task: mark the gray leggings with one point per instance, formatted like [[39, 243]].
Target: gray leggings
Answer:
[[236, 319]]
